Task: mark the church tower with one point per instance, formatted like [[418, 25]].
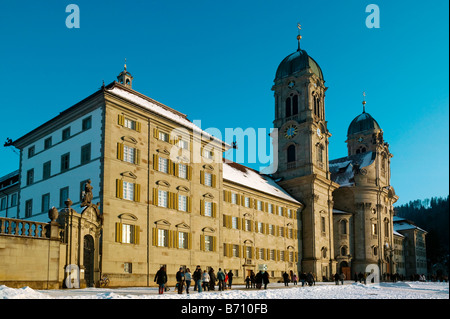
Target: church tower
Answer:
[[299, 90], [125, 77]]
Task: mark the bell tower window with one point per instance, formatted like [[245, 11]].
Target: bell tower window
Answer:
[[295, 105], [288, 107], [291, 154]]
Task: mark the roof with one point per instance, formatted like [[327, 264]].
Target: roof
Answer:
[[404, 224], [9, 180], [338, 211], [361, 123], [158, 108], [295, 62], [251, 178], [343, 169]]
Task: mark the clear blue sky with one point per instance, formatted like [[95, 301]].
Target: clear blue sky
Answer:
[[216, 61]]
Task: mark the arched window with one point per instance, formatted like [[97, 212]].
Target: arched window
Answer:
[[288, 107], [291, 153], [315, 104], [319, 150], [344, 251], [386, 227], [295, 105]]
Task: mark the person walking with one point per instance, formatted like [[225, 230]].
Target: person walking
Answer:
[[225, 280], [247, 282], [258, 280], [336, 278], [286, 279], [303, 278], [230, 278], [212, 279], [221, 278], [180, 280], [205, 280], [252, 279], [342, 278], [187, 279], [265, 279], [197, 276], [294, 279], [310, 279], [161, 279]]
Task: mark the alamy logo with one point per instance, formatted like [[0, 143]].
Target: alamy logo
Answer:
[[373, 19], [374, 273], [73, 19]]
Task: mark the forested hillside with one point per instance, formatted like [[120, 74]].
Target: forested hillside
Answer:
[[432, 216]]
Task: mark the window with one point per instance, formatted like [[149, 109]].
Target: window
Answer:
[[248, 252], [65, 162], [208, 154], [127, 267], [87, 123], [30, 176], [31, 151], [270, 208], [288, 107], [183, 144], [291, 154], [281, 231], [295, 105], [163, 136], [272, 254], [259, 205], [66, 134], [386, 228], [235, 250], [63, 196], [162, 198], [374, 229], [128, 234], [208, 179], [45, 202], [319, 150], [3, 203], [128, 154], [344, 251], [248, 225], [280, 211], [247, 202], [182, 203], [260, 227], [343, 227], [48, 143], [322, 223], [14, 200], [163, 238], [130, 124], [163, 165], [290, 213], [128, 190], [271, 229], [183, 240], [28, 208], [208, 209], [182, 171], [85, 153], [282, 255], [46, 169], [234, 222], [209, 243], [261, 253], [233, 198]]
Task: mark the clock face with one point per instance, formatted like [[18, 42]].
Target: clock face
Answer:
[[291, 84], [290, 131], [360, 139]]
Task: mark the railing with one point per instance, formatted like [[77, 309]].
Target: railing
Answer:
[[22, 228]]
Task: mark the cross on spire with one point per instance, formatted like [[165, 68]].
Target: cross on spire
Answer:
[[364, 102], [299, 36]]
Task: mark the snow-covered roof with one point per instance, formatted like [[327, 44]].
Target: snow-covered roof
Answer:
[[159, 109], [398, 234], [404, 225], [343, 169], [248, 177], [338, 211]]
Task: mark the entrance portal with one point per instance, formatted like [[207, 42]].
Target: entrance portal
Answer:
[[88, 260]]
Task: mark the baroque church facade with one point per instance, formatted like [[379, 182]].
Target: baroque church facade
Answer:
[[166, 195]]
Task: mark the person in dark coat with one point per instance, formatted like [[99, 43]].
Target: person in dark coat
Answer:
[[265, 279], [180, 280], [247, 282], [252, 279], [221, 278], [286, 279], [161, 279], [258, 279], [303, 278], [310, 278], [336, 278], [230, 278], [212, 279], [197, 276]]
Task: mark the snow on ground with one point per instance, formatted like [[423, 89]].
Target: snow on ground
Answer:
[[350, 290]]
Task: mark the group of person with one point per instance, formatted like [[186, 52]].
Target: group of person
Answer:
[[257, 280], [202, 280]]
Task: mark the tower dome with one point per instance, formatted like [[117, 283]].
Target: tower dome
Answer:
[[296, 62], [362, 123]]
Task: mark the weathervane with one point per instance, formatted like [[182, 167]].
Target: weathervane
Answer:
[[299, 36], [364, 102]]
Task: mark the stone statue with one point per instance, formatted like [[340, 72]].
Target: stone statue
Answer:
[[53, 214], [87, 196]]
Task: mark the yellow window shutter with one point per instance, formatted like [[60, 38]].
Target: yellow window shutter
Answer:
[[214, 243], [238, 199], [137, 156], [169, 200], [176, 170], [154, 236], [119, 188], [266, 207], [225, 250], [202, 177], [138, 126], [155, 196], [213, 177], [170, 239], [121, 120], [202, 207], [189, 241], [136, 234], [169, 167], [155, 161], [120, 151], [214, 210], [175, 201], [155, 133], [277, 231], [202, 242], [189, 173], [118, 232], [137, 192], [256, 253], [189, 204]]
